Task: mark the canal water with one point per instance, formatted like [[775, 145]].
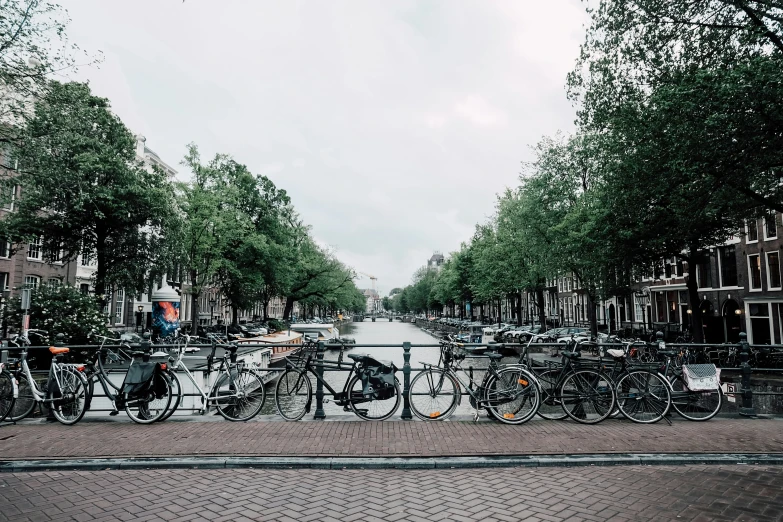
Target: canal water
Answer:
[[379, 332]]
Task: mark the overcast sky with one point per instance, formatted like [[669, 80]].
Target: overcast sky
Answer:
[[392, 124]]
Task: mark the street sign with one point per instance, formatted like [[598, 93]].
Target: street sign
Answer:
[[25, 305]]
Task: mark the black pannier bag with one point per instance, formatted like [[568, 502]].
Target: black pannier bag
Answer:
[[378, 379], [142, 379]]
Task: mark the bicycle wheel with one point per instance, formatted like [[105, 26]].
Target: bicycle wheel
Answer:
[[245, 398], [7, 398], [367, 408], [70, 408], [433, 394], [551, 403], [587, 396], [176, 395], [694, 405], [150, 408], [512, 396], [293, 395], [25, 400], [643, 396]]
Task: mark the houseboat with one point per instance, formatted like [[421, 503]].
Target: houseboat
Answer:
[[287, 344]]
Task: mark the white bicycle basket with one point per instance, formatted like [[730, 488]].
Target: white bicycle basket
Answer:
[[701, 377]]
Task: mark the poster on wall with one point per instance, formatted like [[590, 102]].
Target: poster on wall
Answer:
[[165, 317]]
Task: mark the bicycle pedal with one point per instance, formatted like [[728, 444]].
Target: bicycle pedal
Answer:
[[326, 401], [113, 413]]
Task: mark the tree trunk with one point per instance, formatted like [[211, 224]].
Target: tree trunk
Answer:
[[100, 273], [234, 316], [697, 331], [591, 313], [289, 307], [195, 296], [519, 309], [266, 309], [541, 310]]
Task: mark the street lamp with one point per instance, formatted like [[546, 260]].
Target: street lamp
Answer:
[[212, 311], [139, 316], [642, 298]]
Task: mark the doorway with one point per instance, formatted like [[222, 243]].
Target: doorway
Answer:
[[732, 321]]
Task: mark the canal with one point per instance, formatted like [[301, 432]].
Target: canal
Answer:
[[379, 332]]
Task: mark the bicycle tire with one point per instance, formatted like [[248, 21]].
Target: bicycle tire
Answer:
[[293, 394], [73, 387], [381, 409], [694, 406], [7, 398], [176, 395], [245, 405], [519, 384], [643, 396], [431, 399], [550, 407], [150, 409], [25, 400], [587, 396]]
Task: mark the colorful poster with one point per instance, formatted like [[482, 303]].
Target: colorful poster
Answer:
[[165, 317]]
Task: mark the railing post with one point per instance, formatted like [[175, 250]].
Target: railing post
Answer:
[[319, 387], [406, 381], [747, 408]]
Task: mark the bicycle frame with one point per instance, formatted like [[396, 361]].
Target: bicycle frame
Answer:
[[54, 373]]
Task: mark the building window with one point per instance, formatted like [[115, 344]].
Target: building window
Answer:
[[119, 306], [704, 273], [759, 323], [773, 270], [5, 279], [667, 270], [770, 227], [754, 271], [728, 266], [5, 249], [32, 281], [54, 254], [84, 288], [53, 282], [680, 268], [34, 249], [752, 229], [8, 196]]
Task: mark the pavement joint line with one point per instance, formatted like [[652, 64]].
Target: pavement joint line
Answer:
[[456, 462]]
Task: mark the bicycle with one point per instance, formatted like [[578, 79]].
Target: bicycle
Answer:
[[238, 393], [143, 408], [294, 391], [65, 394], [643, 396], [568, 390], [691, 405], [504, 391], [8, 392]]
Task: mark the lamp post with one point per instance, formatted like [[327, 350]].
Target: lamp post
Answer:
[[642, 298], [212, 311], [139, 317]]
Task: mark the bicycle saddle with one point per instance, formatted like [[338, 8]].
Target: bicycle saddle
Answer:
[[494, 356], [616, 353], [668, 352], [57, 351], [572, 355]]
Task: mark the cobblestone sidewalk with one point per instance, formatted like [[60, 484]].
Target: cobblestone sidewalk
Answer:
[[398, 438], [622, 493]]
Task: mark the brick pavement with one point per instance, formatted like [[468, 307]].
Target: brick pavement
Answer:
[[397, 438], [622, 493]]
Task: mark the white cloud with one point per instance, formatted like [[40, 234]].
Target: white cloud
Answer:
[[479, 111]]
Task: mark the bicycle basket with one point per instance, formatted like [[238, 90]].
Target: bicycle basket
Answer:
[[701, 377], [378, 380]]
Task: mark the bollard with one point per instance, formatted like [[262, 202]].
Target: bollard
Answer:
[[747, 408], [145, 346], [406, 381], [319, 387]]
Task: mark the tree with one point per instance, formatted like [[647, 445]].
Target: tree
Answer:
[[386, 303], [207, 221], [725, 58], [33, 47], [84, 190]]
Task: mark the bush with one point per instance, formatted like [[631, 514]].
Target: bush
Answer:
[[61, 309]]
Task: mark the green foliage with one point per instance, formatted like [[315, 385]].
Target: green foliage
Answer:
[[84, 190], [60, 310]]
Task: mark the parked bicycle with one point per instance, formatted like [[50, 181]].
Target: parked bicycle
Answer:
[[146, 391], [64, 392], [238, 392], [371, 390], [510, 393], [569, 389], [690, 404]]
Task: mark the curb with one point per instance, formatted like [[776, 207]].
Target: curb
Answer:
[[632, 459]]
